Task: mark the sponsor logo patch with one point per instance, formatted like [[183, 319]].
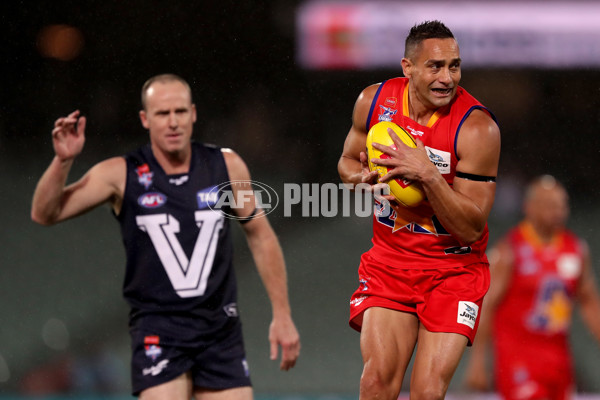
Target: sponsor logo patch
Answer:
[[152, 200], [144, 175], [569, 266], [467, 313], [387, 113], [151, 347], [156, 369], [179, 181], [207, 197], [458, 250], [356, 302], [390, 102], [415, 132], [231, 310], [441, 159]]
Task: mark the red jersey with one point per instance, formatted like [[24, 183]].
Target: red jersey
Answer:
[[532, 321], [413, 237]]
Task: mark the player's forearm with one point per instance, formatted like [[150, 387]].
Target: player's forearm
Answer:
[[270, 264], [350, 170], [590, 313], [48, 195], [459, 215]]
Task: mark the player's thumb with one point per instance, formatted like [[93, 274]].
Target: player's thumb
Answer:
[[81, 122]]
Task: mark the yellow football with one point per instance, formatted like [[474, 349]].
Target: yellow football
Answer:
[[406, 192]]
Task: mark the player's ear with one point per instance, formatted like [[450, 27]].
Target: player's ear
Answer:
[[194, 113], [406, 67], [144, 119]]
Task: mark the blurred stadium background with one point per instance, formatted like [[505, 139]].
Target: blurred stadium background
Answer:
[[276, 81]]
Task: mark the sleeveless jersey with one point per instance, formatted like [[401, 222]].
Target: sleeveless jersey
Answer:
[[413, 237], [179, 250], [533, 318]]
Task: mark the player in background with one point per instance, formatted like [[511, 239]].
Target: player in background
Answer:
[[426, 274], [539, 270], [179, 281]]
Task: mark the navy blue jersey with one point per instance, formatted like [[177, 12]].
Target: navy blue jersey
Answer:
[[179, 250]]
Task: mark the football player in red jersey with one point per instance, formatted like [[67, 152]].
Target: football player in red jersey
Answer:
[[425, 276], [539, 271]]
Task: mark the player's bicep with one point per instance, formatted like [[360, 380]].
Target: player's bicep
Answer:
[[357, 135], [478, 150], [241, 185], [104, 182], [355, 143], [478, 146]]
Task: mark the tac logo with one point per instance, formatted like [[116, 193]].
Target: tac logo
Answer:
[[207, 197], [152, 200]]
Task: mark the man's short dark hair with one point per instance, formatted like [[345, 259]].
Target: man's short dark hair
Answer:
[[425, 30]]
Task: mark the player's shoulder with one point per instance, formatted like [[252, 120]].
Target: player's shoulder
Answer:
[[363, 104], [112, 165], [480, 126], [236, 167], [368, 94]]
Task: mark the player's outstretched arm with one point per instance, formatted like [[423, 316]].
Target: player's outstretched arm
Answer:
[[52, 200], [269, 260]]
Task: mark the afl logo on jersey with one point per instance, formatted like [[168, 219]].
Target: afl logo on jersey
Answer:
[[152, 200]]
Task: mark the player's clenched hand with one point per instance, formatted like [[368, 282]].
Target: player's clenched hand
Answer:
[[282, 332], [381, 191], [405, 162], [367, 175], [68, 136]]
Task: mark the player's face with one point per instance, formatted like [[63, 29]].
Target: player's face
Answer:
[[549, 208], [169, 116], [434, 71]]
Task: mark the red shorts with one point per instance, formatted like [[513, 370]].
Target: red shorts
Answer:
[[525, 379], [444, 300]]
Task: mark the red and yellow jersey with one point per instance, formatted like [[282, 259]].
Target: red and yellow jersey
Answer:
[[413, 237], [534, 316]]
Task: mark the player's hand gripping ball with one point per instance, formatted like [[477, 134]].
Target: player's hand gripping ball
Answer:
[[406, 192]]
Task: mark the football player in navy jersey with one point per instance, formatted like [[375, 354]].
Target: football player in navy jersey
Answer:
[[179, 281]]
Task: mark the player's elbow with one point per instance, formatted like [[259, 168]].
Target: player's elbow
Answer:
[[41, 218], [469, 237]]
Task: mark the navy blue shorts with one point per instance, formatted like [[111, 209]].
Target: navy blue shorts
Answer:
[[217, 362]]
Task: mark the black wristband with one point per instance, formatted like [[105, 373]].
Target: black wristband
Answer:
[[245, 220], [473, 177]]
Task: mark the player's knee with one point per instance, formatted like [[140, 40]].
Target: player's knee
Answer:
[[374, 385], [427, 392]]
